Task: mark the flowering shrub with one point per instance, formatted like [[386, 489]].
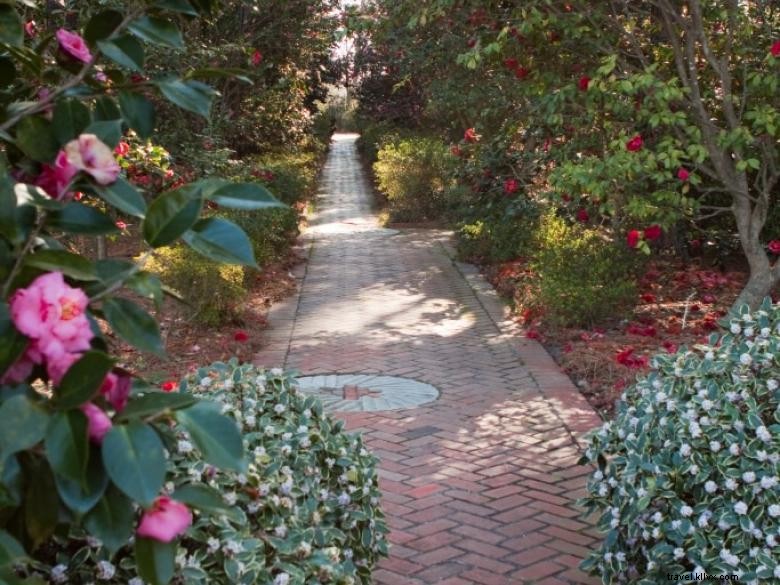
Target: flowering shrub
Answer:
[[305, 510], [687, 473]]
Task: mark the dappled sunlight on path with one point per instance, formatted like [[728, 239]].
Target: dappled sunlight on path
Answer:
[[479, 485]]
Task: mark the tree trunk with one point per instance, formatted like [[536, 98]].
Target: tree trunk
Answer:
[[759, 286]]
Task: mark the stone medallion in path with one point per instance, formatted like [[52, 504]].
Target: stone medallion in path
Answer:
[[477, 430]]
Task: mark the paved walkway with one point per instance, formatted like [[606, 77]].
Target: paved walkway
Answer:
[[479, 484]]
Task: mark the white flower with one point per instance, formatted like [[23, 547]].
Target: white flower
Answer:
[[282, 579], [233, 547], [105, 571], [704, 520], [776, 572], [763, 433], [135, 581], [213, 545], [749, 332], [206, 382], [276, 371], [740, 508], [281, 531], [279, 408], [746, 359], [250, 421], [184, 447], [59, 574], [598, 475], [686, 511], [748, 477], [678, 553], [710, 355], [765, 332], [715, 446], [230, 498], [774, 510], [734, 449], [710, 487], [735, 328], [608, 557], [344, 499], [772, 384], [685, 449]]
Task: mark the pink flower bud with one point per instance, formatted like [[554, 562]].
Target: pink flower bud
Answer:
[[165, 520], [98, 423]]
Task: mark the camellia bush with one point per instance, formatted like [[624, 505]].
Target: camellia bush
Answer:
[[687, 473], [85, 444], [305, 509]]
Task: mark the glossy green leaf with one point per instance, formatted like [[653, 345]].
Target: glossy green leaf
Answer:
[[12, 343], [157, 31], [169, 216], [155, 560], [41, 505], [109, 131], [11, 31], [221, 241], [133, 324], [134, 459], [77, 218], [191, 95], [138, 112], [181, 6], [24, 424], [123, 196], [102, 25], [206, 499], [83, 380], [125, 51], [35, 138], [11, 551], [70, 118], [219, 72], [11, 482], [106, 109], [82, 496], [216, 435], [9, 224], [148, 285], [67, 444], [70, 264], [111, 520], [156, 402], [248, 196]]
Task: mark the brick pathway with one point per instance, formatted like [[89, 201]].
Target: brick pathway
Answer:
[[479, 485]]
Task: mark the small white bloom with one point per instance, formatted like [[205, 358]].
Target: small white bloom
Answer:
[[748, 477], [282, 579], [276, 371], [279, 408], [344, 499], [735, 328], [746, 359], [715, 446], [774, 510], [711, 487], [135, 581], [749, 332], [230, 498], [686, 511], [685, 449], [184, 447], [105, 571], [734, 449], [763, 433], [679, 553], [250, 421], [213, 545], [740, 508], [206, 382], [59, 574], [731, 484], [772, 384], [281, 531], [233, 547]]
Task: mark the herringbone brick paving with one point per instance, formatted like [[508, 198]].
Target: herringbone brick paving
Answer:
[[478, 486]]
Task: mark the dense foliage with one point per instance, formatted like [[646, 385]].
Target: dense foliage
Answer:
[[687, 473]]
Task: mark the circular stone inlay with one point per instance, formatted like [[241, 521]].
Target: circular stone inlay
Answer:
[[366, 392]]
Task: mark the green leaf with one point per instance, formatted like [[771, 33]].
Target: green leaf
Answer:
[[70, 119], [216, 435], [125, 51], [35, 138], [83, 380], [109, 131], [67, 445], [247, 196], [138, 112], [111, 520], [9, 222], [169, 216], [81, 496], [206, 499], [11, 483], [12, 343], [157, 31], [190, 95], [155, 560], [24, 424], [181, 6], [106, 109], [102, 25], [77, 218], [134, 459], [11, 31], [68, 263], [41, 505], [133, 324], [10, 549], [221, 241], [218, 72], [123, 196], [148, 285], [154, 403]]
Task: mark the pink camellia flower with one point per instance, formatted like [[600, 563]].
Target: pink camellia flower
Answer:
[[72, 44], [120, 224], [257, 58], [87, 153], [58, 365], [165, 520], [774, 247], [511, 186], [635, 144], [583, 83], [775, 49], [52, 313], [54, 179], [30, 28], [98, 422], [653, 232], [18, 371], [683, 174], [470, 135], [632, 238], [116, 389]]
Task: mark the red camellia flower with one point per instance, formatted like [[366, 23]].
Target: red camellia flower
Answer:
[[775, 50], [583, 83], [30, 28], [510, 63], [683, 174], [122, 149], [627, 358], [455, 150], [670, 347], [241, 336], [583, 215], [470, 135], [635, 144], [647, 297], [653, 232], [511, 186], [120, 224], [774, 247], [169, 385], [633, 237], [471, 43], [257, 58], [522, 72]]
